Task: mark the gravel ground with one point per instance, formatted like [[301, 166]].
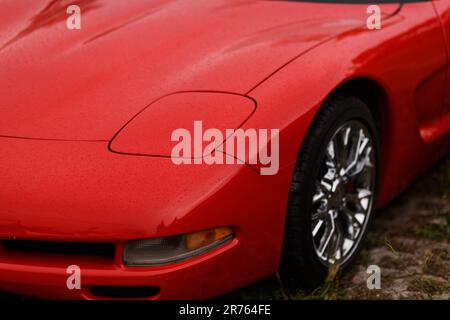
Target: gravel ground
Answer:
[[409, 241]]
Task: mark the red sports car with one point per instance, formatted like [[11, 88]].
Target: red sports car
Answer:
[[305, 116]]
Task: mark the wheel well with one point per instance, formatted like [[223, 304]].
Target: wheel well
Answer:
[[372, 94]]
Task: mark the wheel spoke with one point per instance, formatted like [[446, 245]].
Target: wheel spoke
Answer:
[[330, 156], [326, 239], [347, 133], [317, 227], [360, 199], [319, 196], [356, 152], [352, 216], [325, 186], [340, 239], [362, 165], [347, 245], [339, 150]]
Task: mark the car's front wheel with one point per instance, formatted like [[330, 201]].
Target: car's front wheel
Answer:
[[332, 193]]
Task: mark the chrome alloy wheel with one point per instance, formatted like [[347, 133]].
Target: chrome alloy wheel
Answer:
[[344, 195]]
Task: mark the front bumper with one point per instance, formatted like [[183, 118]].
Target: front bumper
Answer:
[[81, 192]]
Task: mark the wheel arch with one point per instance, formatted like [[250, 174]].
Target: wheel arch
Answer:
[[376, 97]]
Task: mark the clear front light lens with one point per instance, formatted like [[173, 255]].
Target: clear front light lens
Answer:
[[160, 251]]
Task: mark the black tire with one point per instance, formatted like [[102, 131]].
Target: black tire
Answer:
[[300, 265]]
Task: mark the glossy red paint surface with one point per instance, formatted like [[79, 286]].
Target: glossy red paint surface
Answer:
[[68, 99]]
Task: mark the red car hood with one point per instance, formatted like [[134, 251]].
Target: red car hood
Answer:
[[85, 84]]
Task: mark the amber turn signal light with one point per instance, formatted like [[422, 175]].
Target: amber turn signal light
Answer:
[[205, 238]]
